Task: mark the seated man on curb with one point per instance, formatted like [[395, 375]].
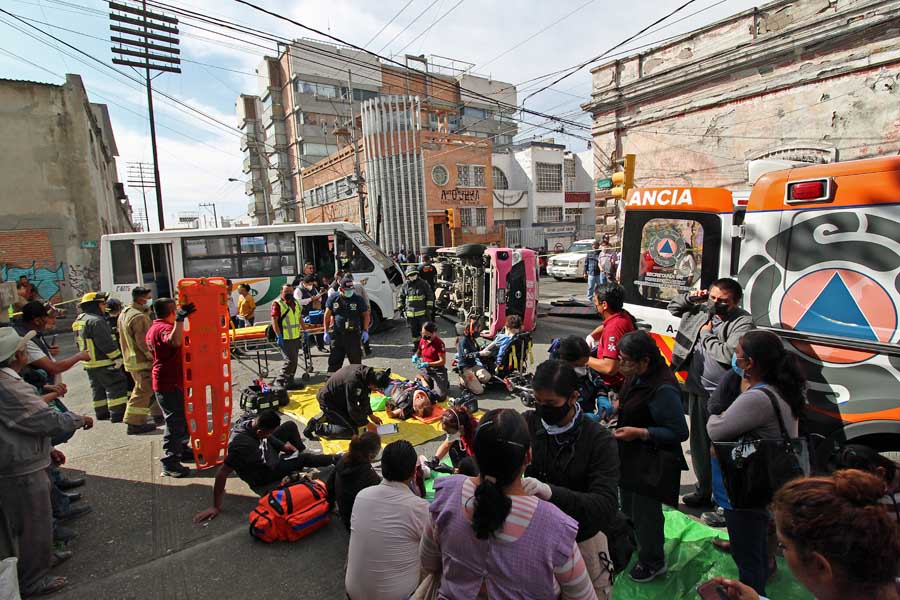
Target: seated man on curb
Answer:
[[262, 451]]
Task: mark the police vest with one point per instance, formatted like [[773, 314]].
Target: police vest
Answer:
[[347, 313], [291, 320]]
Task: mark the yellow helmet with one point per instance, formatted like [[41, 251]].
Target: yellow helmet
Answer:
[[94, 297]]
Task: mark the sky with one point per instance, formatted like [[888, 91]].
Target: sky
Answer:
[[508, 40]]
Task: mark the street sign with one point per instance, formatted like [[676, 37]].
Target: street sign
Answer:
[[605, 184], [87, 244]]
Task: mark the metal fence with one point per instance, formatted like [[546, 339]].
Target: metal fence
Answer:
[[538, 237]]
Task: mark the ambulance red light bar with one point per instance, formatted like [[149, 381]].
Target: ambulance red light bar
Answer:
[[813, 190]]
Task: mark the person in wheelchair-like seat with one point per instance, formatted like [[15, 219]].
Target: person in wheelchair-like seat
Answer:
[[593, 393]]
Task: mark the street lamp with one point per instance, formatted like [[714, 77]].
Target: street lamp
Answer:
[[265, 195]]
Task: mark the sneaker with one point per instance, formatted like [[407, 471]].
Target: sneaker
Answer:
[[141, 429], [714, 518], [175, 470], [309, 432], [73, 497], [70, 483], [642, 573], [60, 556], [73, 513], [695, 500]]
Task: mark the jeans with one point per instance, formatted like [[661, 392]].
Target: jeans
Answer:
[[649, 523], [748, 531], [176, 436], [594, 282]]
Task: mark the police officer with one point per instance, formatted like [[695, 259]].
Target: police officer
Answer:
[[417, 300], [428, 272], [104, 367], [344, 402], [346, 324]]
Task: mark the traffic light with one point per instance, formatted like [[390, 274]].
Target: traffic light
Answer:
[[623, 180], [451, 218]]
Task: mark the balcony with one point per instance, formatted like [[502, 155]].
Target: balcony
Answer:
[[252, 186], [252, 162]]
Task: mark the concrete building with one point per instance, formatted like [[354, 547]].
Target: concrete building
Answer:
[[790, 82], [302, 110], [413, 178], [543, 194], [61, 190]]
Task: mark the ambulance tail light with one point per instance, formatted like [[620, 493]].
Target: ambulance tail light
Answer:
[[816, 190]]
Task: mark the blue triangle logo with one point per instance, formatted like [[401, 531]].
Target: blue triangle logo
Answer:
[[835, 312], [667, 247]]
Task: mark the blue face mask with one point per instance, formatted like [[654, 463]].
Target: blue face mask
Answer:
[[735, 367], [348, 293]]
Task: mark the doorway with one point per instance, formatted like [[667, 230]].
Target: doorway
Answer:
[[156, 269]]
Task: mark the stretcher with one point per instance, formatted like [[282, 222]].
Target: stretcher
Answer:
[[255, 343]]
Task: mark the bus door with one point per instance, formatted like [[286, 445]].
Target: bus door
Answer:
[[319, 250], [672, 245], [156, 267], [356, 253]]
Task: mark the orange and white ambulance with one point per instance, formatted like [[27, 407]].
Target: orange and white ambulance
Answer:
[[817, 250]]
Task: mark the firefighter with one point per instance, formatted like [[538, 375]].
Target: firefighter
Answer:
[[428, 272], [104, 367], [417, 300], [133, 324]]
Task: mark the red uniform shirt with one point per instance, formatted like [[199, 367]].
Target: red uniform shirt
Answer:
[[432, 350], [614, 327], [167, 370]]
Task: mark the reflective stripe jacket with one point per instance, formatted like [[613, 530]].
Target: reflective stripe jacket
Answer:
[[134, 322], [93, 333], [417, 298], [291, 320]]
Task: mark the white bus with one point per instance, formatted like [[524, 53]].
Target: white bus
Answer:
[[265, 258]]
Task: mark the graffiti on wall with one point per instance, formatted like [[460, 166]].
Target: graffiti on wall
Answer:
[[83, 279], [47, 281]]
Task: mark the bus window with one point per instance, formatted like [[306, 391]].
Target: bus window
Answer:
[[350, 257], [268, 255], [670, 260], [123, 267], [211, 267]]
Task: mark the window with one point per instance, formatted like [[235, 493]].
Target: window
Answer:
[[343, 188], [574, 214], [549, 177], [123, 267], [267, 255], [472, 217], [350, 257], [318, 89], [475, 113], [570, 167], [500, 181], [320, 195], [439, 175], [550, 214], [503, 140], [211, 267], [470, 176], [363, 95], [330, 192], [212, 246], [671, 258], [316, 149]]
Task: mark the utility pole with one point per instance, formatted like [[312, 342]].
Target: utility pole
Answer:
[[140, 47], [211, 205], [360, 194], [138, 176]]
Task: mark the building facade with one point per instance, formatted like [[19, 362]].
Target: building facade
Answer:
[[543, 194], [309, 100], [791, 82], [62, 190]]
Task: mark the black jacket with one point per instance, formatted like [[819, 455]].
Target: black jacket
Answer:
[[246, 455], [347, 394], [345, 482], [583, 472]]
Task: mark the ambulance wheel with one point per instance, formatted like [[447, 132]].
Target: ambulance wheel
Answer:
[[470, 250]]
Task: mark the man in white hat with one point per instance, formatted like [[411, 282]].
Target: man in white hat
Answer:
[[26, 426]]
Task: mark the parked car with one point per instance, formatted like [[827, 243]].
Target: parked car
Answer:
[[570, 264]]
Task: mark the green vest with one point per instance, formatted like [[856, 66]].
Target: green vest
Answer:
[[291, 320]]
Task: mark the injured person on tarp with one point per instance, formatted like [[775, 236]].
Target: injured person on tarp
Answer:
[[263, 451], [409, 399], [344, 402]]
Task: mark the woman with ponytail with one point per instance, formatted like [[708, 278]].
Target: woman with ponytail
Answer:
[[770, 377], [839, 540], [354, 473], [489, 539]]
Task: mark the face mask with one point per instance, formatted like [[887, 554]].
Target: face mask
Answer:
[[735, 367], [720, 308], [348, 293], [427, 338], [308, 288], [581, 371], [413, 277], [552, 415], [287, 297]]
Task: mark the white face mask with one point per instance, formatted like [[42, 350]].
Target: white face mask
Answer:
[[581, 371], [453, 437]]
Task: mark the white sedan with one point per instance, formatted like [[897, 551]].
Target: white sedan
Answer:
[[570, 264]]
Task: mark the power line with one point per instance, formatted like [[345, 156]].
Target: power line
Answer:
[[386, 25], [427, 29], [408, 25]]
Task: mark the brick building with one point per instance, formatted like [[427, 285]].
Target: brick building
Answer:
[[791, 82], [61, 192]]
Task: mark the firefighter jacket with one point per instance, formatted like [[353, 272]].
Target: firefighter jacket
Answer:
[[133, 324], [417, 298], [93, 333]]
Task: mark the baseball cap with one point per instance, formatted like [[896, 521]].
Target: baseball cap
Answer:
[[347, 283], [34, 310], [11, 342]]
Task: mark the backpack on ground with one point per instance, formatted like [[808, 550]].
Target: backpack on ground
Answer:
[[291, 512]]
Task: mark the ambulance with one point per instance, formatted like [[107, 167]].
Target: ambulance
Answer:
[[817, 251]]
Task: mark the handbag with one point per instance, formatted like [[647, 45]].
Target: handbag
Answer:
[[754, 469], [651, 470]]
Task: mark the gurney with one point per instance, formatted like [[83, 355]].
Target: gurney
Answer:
[[256, 342]]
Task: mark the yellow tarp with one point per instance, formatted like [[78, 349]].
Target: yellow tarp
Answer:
[[304, 406]]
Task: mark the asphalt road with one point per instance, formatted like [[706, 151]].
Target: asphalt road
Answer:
[[139, 541]]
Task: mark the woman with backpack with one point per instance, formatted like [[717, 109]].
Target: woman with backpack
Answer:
[[772, 384], [353, 473], [488, 538]]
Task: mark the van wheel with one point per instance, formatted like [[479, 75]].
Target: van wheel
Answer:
[[470, 250], [376, 319], [557, 278]]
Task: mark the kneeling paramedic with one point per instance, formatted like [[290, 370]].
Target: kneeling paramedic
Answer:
[[344, 400], [346, 325], [262, 451]]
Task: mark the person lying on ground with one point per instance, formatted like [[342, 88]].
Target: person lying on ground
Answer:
[[409, 401], [262, 451]]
